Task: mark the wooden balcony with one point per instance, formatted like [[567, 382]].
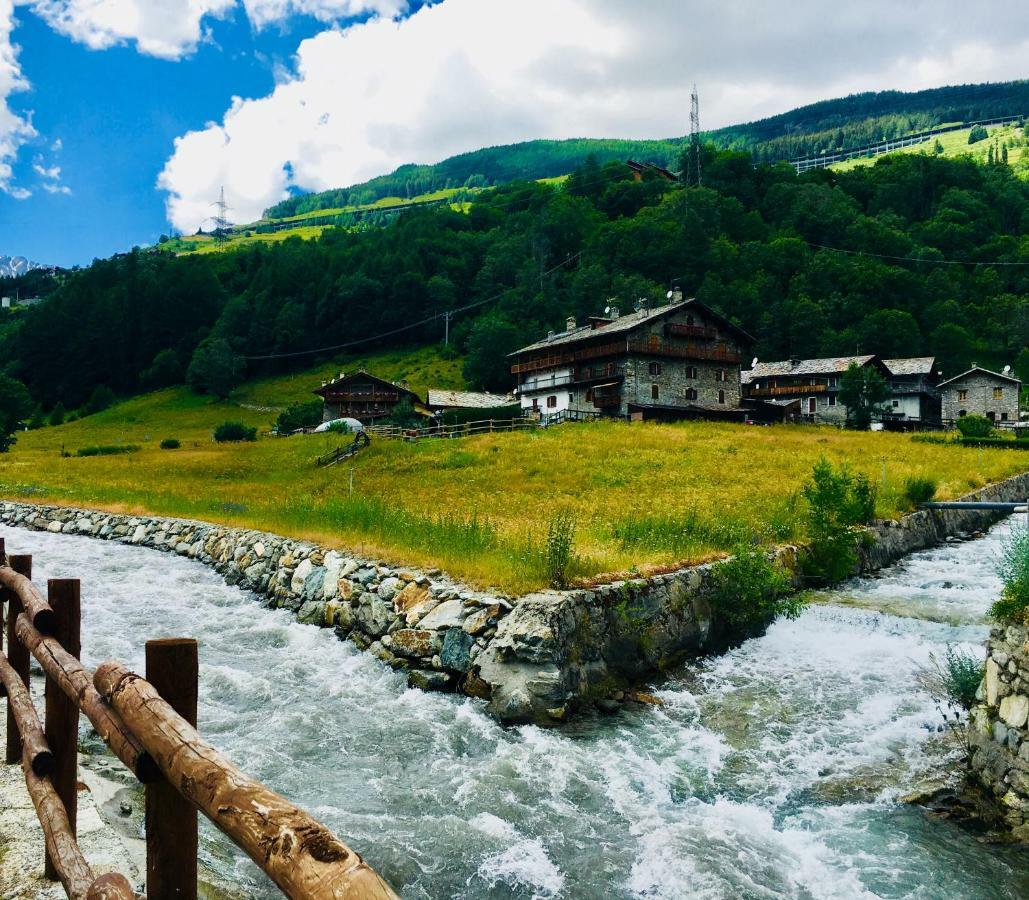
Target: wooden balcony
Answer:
[[685, 351], [553, 360], [607, 401], [366, 397], [680, 329], [786, 390]]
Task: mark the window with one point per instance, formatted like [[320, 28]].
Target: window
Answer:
[[998, 393], [551, 402], [721, 396], [1003, 417], [991, 415], [655, 368], [653, 392], [812, 381], [962, 395], [535, 403], [691, 371], [834, 381], [691, 393], [896, 403], [832, 399], [689, 320], [962, 412], [571, 397]]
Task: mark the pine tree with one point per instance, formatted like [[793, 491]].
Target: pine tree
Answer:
[[989, 156], [1004, 154]]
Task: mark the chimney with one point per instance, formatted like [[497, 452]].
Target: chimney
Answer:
[[550, 335], [676, 294], [794, 362], [614, 313], [570, 324]]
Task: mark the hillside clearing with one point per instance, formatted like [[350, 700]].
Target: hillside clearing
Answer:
[[642, 496]]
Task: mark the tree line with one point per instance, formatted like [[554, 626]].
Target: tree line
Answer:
[[915, 255]]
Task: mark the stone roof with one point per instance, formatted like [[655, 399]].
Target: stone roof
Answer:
[[625, 323], [467, 399], [833, 365], [915, 365], [981, 371]]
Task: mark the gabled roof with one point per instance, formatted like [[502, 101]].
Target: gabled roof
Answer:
[[915, 365], [340, 383], [468, 400], [982, 371], [628, 322], [833, 365]]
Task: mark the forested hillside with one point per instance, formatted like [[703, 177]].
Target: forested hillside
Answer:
[[820, 127], [930, 255]]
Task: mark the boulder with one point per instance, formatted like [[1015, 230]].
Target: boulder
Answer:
[[373, 615], [416, 642], [312, 613], [457, 649], [333, 564], [447, 615], [1014, 710], [296, 583], [412, 595], [430, 681], [388, 588], [992, 681], [313, 584], [482, 619]]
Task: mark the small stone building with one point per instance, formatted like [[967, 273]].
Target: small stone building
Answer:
[[675, 361], [981, 392], [914, 391], [363, 396]]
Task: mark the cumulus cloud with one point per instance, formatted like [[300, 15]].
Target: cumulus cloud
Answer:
[[265, 12], [15, 129], [464, 74]]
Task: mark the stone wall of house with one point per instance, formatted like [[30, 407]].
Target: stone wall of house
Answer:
[[999, 727], [534, 658], [979, 399], [674, 379]]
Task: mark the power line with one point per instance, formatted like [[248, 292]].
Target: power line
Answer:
[[915, 259], [448, 315]]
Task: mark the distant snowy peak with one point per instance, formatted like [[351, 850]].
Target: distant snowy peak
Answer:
[[13, 266]]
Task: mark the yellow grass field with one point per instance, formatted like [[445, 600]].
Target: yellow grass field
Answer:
[[641, 495]]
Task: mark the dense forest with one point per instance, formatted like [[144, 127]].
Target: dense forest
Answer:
[[929, 255], [817, 128]]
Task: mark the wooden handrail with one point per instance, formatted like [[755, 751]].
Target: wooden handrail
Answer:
[[34, 746], [32, 601], [73, 679], [304, 858]]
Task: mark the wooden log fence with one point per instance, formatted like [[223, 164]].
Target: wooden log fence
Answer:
[[151, 726]]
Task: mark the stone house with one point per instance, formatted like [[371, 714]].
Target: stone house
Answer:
[[914, 391], [981, 392], [680, 360], [816, 382], [363, 396]]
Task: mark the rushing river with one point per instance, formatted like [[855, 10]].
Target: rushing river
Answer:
[[772, 771]]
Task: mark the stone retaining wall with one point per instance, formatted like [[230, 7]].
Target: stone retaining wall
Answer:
[[536, 657], [999, 732]]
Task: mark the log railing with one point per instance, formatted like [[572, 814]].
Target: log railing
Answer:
[[150, 725]]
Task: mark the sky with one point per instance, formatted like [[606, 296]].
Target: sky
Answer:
[[121, 120]]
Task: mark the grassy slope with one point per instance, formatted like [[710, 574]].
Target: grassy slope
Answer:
[[955, 143], [641, 495]]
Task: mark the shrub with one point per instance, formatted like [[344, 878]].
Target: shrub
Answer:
[[838, 501], [1014, 572], [338, 427], [234, 431], [974, 426], [750, 591], [170, 444], [558, 550], [404, 415], [58, 414], [1000, 443], [107, 450], [953, 681], [299, 415], [919, 489]]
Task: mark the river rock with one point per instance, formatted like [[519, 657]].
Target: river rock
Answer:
[[296, 584], [1014, 710], [373, 615], [313, 584], [482, 619], [992, 681], [388, 588], [428, 680], [415, 642], [457, 648], [447, 615], [412, 595], [312, 613]]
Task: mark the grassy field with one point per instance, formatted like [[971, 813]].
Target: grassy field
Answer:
[[642, 496], [955, 143]]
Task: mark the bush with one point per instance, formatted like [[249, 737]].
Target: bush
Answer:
[[58, 414], [1014, 572], [749, 590], [974, 426], [299, 415], [838, 501], [229, 432], [170, 444], [1001, 443], [919, 489], [338, 427], [953, 680], [404, 415], [107, 450], [558, 551]]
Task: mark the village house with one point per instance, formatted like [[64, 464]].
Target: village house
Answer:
[[815, 382], [441, 401], [364, 397], [914, 391], [679, 360], [981, 392]]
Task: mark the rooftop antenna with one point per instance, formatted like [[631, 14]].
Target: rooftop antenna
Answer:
[[691, 175], [221, 221]]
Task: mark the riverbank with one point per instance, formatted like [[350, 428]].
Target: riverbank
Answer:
[[538, 657]]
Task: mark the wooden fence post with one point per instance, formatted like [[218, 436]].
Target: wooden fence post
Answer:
[[17, 655], [171, 820], [62, 713]]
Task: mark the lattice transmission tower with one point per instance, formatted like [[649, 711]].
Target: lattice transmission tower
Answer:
[[221, 220], [691, 174]]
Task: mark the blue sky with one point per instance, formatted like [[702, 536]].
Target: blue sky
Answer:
[[121, 119]]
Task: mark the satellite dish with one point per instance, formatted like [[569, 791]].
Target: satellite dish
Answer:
[[1007, 369], [607, 310], [753, 363], [669, 295]]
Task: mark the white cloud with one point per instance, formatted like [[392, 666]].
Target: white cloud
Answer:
[[469, 73], [50, 177], [15, 129], [265, 12]]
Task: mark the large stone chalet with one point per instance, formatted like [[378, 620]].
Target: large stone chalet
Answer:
[[815, 382], [982, 392], [363, 396], [679, 360]]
